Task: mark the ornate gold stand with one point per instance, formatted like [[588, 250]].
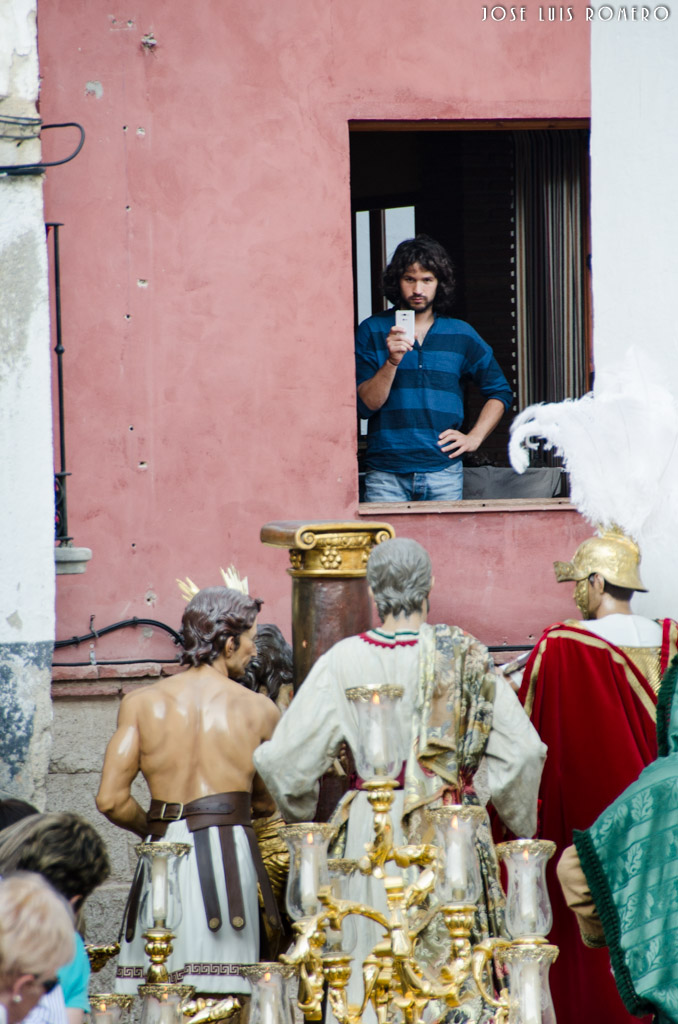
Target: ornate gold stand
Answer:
[[102, 1000], [159, 948], [330, 599], [394, 982], [100, 955]]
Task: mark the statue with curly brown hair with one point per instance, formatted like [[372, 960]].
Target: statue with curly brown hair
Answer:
[[192, 736]]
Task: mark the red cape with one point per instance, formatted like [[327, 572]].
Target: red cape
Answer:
[[596, 713]]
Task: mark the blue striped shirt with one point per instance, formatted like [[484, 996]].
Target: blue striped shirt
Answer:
[[427, 395]]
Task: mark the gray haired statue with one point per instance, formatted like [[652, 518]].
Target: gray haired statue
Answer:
[[400, 576], [455, 713]]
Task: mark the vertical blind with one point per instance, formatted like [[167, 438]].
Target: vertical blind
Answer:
[[551, 250]]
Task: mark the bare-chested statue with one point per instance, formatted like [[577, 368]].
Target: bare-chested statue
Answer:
[[192, 736]]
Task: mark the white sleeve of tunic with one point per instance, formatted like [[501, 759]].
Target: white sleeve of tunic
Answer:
[[304, 744], [515, 757]]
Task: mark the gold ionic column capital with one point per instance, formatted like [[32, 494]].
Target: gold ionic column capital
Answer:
[[326, 549]]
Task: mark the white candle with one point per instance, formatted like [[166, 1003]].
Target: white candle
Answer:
[[168, 1012], [103, 1015], [268, 1000], [376, 740], [455, 861], [531, 994], [309, 875], [159, 888], [527, 893]]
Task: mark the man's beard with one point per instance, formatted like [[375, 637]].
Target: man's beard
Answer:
[[407, 303]]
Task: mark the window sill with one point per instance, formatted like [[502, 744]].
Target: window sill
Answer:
[[395, 508]]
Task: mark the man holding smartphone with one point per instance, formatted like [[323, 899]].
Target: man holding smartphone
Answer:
[[411, 365]]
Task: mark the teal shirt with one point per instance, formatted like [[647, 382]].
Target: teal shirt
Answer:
[[74, 978]]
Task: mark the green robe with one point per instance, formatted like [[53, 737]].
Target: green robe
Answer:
[[630, 859]]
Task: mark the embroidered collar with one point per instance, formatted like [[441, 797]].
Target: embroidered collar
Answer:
[[401, 638]]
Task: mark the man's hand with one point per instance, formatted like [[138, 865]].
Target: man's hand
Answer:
[[398, 344], [375, 391], [456, 443]]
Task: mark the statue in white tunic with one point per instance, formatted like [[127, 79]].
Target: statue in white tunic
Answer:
[[466, 735]]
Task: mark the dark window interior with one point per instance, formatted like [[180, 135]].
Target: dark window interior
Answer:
[[462, 185]]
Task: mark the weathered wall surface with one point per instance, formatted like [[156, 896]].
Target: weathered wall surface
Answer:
[[494, 571], [84, 721], [206, 260], [26, 482]]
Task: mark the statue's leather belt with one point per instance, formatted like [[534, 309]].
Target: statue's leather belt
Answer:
[[223, 810]]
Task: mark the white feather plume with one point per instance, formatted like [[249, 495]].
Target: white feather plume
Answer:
[[619, 445]]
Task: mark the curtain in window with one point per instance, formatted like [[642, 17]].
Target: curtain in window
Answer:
[[551, 247]]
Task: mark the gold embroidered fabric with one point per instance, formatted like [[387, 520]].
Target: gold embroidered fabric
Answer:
[[453, 719], [274, 853], [648, 661]]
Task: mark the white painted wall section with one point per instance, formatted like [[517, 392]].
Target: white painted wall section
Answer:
[[27, 585], [26, 468], [634, 204], [634, 214]]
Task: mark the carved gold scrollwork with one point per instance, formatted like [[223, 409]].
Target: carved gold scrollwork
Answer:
[[100, 955], [334, 549]]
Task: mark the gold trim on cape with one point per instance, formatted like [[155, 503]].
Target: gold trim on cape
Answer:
[[590, 640]]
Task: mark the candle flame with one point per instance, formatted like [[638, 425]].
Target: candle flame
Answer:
[[309, 839], [267, 976], [102, 1007], [526, 854], [375, 697], [455, 822]]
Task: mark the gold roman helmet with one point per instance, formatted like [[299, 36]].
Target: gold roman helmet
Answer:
[[613, 554]]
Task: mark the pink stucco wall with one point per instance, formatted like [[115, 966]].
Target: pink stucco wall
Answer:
[[206, 264]]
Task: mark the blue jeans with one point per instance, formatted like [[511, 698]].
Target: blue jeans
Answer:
[[440, 485]]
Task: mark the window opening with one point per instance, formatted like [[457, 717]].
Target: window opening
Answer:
[[511, 207]]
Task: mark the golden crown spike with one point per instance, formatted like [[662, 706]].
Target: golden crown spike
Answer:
[[230, 576]]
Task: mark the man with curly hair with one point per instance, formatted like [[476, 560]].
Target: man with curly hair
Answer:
[[411, 390], [192, 737]]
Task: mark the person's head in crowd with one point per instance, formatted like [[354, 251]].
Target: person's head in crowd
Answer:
[[12, 810], [63, 848], [606, 572], [271, 668], [426, 254], [36, 939], [400, 577], [220, 621]]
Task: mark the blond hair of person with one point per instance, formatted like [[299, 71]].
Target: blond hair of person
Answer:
[[36, 931]]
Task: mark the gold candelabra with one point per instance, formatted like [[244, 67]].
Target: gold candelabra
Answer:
[[429, 889], [160, 913], [99, 955], [395, 981]]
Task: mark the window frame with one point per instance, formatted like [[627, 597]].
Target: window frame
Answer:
[[473, 505]]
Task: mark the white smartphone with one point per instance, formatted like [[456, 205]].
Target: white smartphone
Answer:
[[405, 318]]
